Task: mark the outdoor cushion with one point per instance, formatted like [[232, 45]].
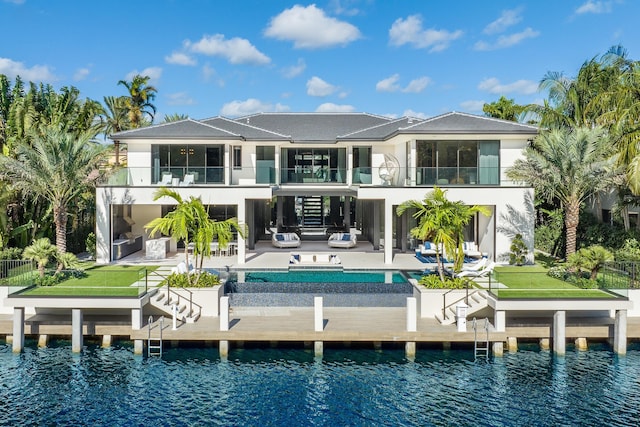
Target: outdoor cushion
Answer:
[[346, 237], [279, 237]]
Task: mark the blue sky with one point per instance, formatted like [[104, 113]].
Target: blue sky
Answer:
[[394, 58]]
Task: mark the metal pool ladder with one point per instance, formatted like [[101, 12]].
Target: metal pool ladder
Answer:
[[480, 348], [154, 345]]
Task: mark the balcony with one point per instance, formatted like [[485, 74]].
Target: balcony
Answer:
[[267, 174]]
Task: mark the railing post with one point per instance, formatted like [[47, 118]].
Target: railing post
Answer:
[[466, 299]]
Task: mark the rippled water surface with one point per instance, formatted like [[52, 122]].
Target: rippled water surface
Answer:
[[280, 387]]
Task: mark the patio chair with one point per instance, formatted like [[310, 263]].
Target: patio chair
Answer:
[[480, 273], [188, 180], [476, 266], [166, 179]]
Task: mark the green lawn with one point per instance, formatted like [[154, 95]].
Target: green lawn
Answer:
[[532, 282], [115, 281]]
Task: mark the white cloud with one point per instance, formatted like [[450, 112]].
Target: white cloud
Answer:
[[472, 105], [597, 7], [330, 107], [81, 74], [310, 28], [295, 70], [411, 113], [179, 58], [410, 31], [417, 85], [507, 19], [154, 74], [250, 106], [235, 50], [493, 85], [344, 7], [318, 87], [509, 40], [37, 73], [180, 98], [390, 84]]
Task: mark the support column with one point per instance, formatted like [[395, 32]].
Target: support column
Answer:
[[103, 224], [498, 349], [138, 347], [375, 226], [544, 344], [224, 313], [106, 341], [318, 317], [18, 329], [76, 330], [512, 344], [412, 318], [499, 320], [388, 232], [136, 319], [347, 212], [43, 340], [559, 332], [620, 333], [581, 344], [279, 212], [242, 247], [318, 348], [223, 349]]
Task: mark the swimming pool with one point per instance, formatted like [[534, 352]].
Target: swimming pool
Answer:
[[286, 387], [297, 288]]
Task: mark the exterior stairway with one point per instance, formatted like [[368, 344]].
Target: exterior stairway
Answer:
[[477, 301], [164, 298], [312, 211]]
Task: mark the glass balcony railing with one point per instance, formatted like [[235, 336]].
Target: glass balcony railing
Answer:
[[313, 176], [267, 175]]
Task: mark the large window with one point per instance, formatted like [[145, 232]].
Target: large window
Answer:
[[313, 165], [457, 162], [265, 164], [362, 165], [204, 162]]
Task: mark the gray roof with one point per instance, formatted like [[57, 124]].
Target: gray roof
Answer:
[[247, 131], [324, 127], [313, 127], [181, 129], [463, 123], [380, 132]]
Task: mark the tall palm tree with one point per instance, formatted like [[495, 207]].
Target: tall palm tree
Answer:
[[115, 119], [175, 117], [139, 100], [567, 166], [190, 222], [58, 167], [441, 221]]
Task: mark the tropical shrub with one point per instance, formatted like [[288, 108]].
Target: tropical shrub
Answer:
[[518, 251], [629, 252], [10, 254], [592, 259], [90, 244], [433, 281], [193, 280]]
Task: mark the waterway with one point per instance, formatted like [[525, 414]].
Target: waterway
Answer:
[[289, 387]]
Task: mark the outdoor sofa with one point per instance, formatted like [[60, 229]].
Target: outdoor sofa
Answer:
[[342, 240], [285, 240]]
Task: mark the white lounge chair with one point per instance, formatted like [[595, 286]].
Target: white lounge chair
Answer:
[[470, 250], [285, 240], [166, 179], [188, 180], [480, 273], [342, 240], [476, 266]]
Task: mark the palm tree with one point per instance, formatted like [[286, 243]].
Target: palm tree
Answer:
[[567, 166], [58, 167], [175, 117], [139, 100], [40, 251], [115, 119], [190, 222], [441, 221]]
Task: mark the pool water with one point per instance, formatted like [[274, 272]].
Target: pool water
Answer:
[[288, 387], [325, 276]]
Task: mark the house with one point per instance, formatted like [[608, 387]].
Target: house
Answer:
[[316, 172]]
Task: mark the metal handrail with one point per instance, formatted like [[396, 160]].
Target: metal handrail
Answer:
[[173, 291], [465, 298]]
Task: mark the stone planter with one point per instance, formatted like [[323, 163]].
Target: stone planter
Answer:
[[430, 301]]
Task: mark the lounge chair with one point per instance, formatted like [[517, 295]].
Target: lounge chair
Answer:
[[470, 250], [480, 273], [285, 240], [476, 266], [166, 179], [342, 240], [188, 180]]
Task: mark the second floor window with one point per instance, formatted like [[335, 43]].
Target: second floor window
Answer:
[[237, 157]]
